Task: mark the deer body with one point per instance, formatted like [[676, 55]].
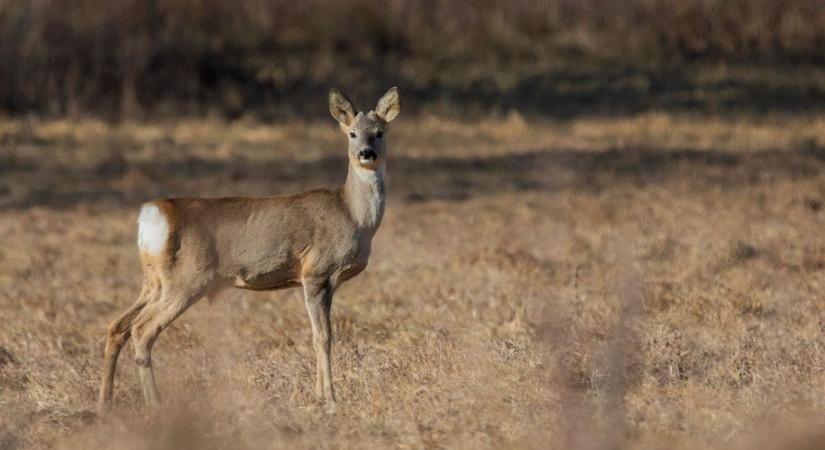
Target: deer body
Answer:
[[269, 242], [190, 247]]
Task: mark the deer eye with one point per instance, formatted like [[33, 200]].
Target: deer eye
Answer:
[[352, 135], [379, 135]]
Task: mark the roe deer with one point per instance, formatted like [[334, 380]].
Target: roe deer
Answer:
[[190, 247]]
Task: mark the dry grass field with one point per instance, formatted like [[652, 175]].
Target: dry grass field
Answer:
[[653, 281]]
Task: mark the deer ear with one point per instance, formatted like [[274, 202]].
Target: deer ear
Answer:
[[389, 105], [341, 107]]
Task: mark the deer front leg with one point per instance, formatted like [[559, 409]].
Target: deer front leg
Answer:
[[318, 297]]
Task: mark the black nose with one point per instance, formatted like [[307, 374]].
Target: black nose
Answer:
[[367, 153]]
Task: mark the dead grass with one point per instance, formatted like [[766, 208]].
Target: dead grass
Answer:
[[627, 283]]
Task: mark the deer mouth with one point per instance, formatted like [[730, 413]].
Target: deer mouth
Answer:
[[367, 156]]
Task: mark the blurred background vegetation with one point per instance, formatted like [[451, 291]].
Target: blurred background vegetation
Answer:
[[132, 58]]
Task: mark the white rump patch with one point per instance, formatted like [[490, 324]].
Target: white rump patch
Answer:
[[153, 229]]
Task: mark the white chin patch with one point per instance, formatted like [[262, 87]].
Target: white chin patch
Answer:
[[153, 229], [370, 175]]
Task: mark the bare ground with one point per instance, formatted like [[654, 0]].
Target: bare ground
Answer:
[[645, 282]]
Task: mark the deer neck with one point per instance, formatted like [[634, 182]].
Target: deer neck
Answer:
[[363, 195]]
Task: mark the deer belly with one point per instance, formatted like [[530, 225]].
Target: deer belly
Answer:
[[280, 278]]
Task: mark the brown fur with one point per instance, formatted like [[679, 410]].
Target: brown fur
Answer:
[[315, 239]]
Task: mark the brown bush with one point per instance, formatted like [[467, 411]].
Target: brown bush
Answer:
[[107, 57]]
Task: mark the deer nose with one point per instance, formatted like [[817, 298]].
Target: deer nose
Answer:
[[368, 154]]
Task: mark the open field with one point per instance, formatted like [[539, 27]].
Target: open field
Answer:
[[649, 281]]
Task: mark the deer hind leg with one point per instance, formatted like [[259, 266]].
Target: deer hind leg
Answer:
[[318, 297], [149, 323], [117, 336]]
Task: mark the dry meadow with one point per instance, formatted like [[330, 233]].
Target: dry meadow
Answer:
[[649, 281]]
